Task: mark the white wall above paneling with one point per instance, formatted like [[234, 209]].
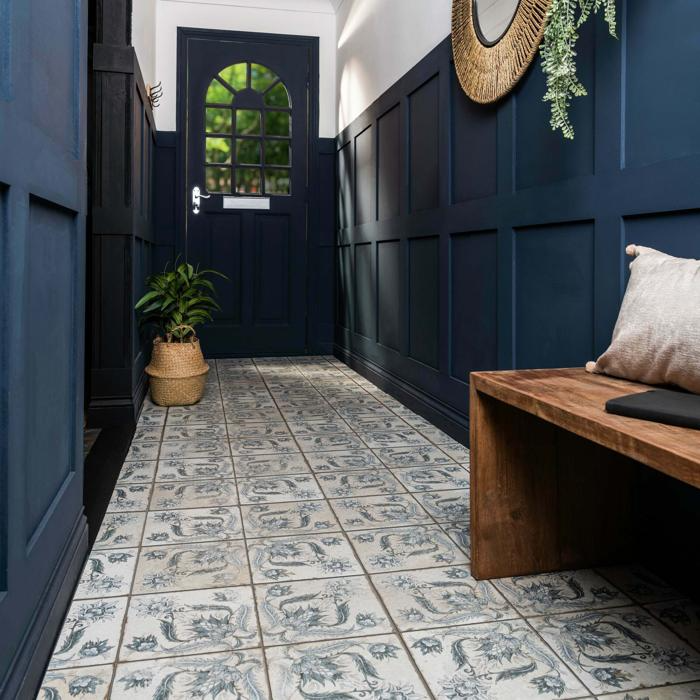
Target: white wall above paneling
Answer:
[[380, 40], [143, 37]]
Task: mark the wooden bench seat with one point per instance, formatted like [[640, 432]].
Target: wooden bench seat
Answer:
[[553, 475]]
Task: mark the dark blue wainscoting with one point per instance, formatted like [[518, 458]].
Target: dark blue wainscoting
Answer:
[[472, 237]]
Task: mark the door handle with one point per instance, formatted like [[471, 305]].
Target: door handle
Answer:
[[197, 196]]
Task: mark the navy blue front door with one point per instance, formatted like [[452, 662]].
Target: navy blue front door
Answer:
[[43, 535], [244, 116]]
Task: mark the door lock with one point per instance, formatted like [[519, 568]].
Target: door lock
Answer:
[[197, 196]]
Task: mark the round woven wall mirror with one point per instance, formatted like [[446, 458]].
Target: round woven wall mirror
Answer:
[[494, 42]]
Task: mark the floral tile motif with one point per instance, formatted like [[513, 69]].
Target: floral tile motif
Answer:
[[307, 611], [682, 616], [263, 446], [203, 415], [90, 633], [247, 431], [194, 494], [375, 409], [371, 424], [439, 597], [107, 573], [279, 489], [560, 592], [446, 506], [296, 558], [310, 413], [359, 483], [236, 675], [120, 530], [421, 456], [450, 476], [370, 667], [129, 497], [379, 511], [190, 449], [639, 584], [458, 452], [248, 415], [190, 566], [143, 451], [185, 469], [269, 465], [147, 433], [687, 691], [324, 427], [326, 443], [460, 533], [271, 519], [152, 418], [491, 661], [400, 548], [191, 525], [395, 438], [91, 683], [202, 621], [137, 472], [620, 649], [343, 460], [215, 431]]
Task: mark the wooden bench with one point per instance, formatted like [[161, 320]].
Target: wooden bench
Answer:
[[553, 474]]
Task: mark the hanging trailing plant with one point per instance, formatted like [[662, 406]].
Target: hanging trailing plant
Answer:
[[564, 19]]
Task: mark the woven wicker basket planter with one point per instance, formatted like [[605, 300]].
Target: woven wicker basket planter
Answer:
[[178, 373]]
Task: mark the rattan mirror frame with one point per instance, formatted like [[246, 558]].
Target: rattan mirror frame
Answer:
[[488, 72]]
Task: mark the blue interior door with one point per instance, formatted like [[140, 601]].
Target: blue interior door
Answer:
[[42, 230], [245, 120]]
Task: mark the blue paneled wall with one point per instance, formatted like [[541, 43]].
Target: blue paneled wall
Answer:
[[473, 237]]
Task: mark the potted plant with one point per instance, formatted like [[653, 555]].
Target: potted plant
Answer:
[[177, 302]]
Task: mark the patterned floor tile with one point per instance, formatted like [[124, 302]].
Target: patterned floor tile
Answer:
[[327, 443], [460, 533], [190, 566], [270, 465], [458, 452], [90, 683], [201, 621], [187, 469], [215, 431], [308, 611], [147, 433], [439, 597], [395, 438], [682, 616], [269, 519], [203, 416], [152, 418], [137, 472], [619, 649], [448, 477], [237, 675], [446, 506], [246, 431], [308, 557], [127, 497], [370, 667], [263, 446], [491, 661], [143, 451], [565, 591], [192, 449], [355, 411], [194, 494], [362, 424], [359, 483], [90, 633], [343, 460], [687, 691], [260, 415], [421, 456], [379, 511], [120, 530], [279, 489], [639, 584], [395, 549], [107, 573], [192, 525], [328, 427]]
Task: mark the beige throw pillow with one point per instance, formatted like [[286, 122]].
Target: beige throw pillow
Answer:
[[657, 335]]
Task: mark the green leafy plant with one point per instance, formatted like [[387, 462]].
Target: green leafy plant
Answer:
[[559, 54], [178, 300]]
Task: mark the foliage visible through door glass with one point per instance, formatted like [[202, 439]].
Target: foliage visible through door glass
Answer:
[[277, 96], [247, 180], [248, 151], [218, 120], [218, 94], [218, 150], [261, 77], [277, 152], [236, 75], [277, 123], [248, 122], [218, 180], [276, 181]]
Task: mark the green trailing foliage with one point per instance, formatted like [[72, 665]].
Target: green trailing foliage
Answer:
[[178, 300], [564, 19]]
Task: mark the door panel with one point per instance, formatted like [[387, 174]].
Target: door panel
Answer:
[[244, 118], [43, 535]]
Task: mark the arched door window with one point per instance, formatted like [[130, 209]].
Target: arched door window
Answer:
[[248, 140]]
